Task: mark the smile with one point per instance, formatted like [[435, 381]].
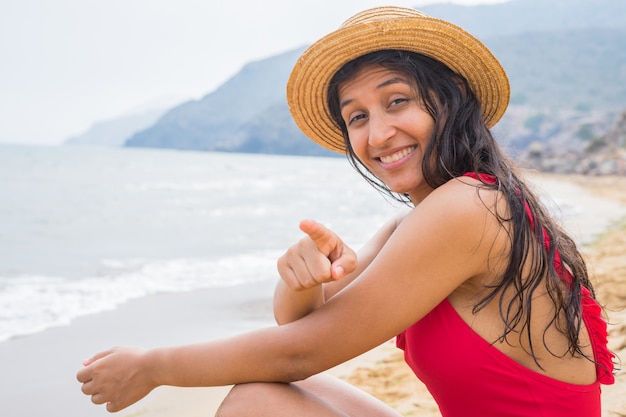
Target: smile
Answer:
[[396, 156]]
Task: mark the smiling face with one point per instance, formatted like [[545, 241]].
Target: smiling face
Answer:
[[388, 128]]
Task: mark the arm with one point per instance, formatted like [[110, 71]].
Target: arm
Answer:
[[420, 265], [319, 266]]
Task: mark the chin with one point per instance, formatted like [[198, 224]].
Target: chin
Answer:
[[406, 188]]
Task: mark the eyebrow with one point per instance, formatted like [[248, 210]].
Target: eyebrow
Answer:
[[385, 83]]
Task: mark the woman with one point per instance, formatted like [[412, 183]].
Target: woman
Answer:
[[488, 297]]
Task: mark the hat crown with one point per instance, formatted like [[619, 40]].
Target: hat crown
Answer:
[[379, 14]]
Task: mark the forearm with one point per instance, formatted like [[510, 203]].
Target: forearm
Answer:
[[250, 357], [120, 377], [290, 305]]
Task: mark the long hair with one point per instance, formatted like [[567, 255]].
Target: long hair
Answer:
[[462, 143]]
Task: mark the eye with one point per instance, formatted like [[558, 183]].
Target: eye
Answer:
[[356, 117], [398, 101]]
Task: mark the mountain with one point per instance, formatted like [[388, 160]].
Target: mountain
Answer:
[[115, 132], [603, 154], [583, 68], [232, 117], [273, 131], [565, 60], [557, 52], [526, 16]]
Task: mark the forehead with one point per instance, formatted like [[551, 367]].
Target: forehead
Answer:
[[372, 76]]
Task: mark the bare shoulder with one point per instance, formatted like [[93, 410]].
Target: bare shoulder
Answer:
[[463, 215], [467, 197]]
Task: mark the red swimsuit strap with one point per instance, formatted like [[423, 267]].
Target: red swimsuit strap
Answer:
[[591, 310]]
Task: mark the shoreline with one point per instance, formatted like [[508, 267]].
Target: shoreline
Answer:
[[39, 370]]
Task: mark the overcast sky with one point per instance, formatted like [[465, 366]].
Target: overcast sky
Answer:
[[65, 64]]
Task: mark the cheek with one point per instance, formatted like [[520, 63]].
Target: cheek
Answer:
[[358, 144]]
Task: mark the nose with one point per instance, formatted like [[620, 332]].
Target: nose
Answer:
[[380, 130]]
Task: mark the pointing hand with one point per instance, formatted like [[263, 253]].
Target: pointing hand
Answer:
[[319, 257]]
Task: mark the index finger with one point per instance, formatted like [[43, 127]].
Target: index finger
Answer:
[[325, 240]]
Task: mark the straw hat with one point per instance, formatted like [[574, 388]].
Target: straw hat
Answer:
[[390, 28]]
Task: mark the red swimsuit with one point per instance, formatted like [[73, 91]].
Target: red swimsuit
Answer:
[[467, 376]]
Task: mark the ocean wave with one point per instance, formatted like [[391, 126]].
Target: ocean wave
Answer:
[[33, 303]]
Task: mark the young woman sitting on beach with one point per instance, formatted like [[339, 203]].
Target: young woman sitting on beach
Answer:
[[489, 299]]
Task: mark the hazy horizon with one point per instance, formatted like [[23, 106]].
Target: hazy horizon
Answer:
[[68, 64]]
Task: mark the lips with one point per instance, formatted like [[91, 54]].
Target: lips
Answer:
[[396, 156]]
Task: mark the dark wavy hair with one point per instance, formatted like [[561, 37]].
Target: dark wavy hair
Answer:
[[461, 143]]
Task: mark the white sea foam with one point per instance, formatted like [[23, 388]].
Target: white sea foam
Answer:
[[34, 303]]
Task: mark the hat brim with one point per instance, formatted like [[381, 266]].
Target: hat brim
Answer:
[[307, 88]]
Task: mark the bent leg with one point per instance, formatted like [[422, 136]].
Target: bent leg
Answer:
[[319, 396]]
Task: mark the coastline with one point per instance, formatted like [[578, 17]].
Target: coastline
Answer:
[[38, 375], [39, 370]]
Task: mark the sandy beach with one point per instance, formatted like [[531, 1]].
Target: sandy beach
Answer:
[[38, 375]]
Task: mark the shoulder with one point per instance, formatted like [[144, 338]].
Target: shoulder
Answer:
[[463, 214], [465, 197]]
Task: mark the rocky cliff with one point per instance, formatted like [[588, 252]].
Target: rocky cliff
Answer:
[[596, 149]]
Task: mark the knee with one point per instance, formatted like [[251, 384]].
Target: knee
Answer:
[[247, 400]]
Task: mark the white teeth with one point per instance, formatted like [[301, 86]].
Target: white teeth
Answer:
[[396, 156]]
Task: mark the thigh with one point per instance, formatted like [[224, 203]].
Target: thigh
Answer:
[[319, 396], [349, 399]]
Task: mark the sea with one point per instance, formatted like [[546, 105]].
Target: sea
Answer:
[[85, 229]]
